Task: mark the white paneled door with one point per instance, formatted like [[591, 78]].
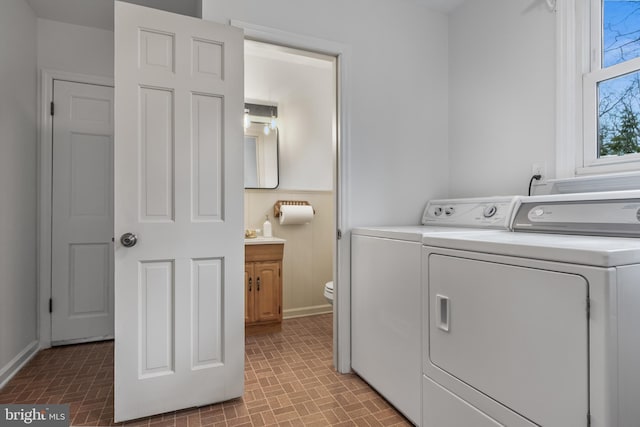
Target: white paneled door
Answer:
[[82, 213], [179, 193]]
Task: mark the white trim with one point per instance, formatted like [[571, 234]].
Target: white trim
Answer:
[[287, 190], [589, 121], [592, 163], [45, 126], [578, 73], [284, 38], [587, 184], [83, 340], [13, 367], [593, 15], [292, 313], [342, 264], [617, 70], [611, 164], [567, 90]]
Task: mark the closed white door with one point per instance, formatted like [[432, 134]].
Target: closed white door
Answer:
[[179, 190], [82, 215]]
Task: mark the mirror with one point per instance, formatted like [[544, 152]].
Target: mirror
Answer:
[[260, 151]]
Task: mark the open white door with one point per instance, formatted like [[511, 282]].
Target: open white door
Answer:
[[179, 294]]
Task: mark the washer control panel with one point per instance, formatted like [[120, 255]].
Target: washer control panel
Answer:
[[490, 212]]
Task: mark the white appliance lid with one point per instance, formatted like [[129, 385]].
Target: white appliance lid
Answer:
[[585, 250], [412, 233]]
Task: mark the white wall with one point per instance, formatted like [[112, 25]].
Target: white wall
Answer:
[[397, 95], [18, 142], [74, 48], [502, 95], [304, 93]]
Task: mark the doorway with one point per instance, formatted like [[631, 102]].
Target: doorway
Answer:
[[47, 91], [81, 304], [293, 92], [76, 208]]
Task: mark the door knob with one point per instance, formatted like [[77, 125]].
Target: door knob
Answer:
[[128, 240]]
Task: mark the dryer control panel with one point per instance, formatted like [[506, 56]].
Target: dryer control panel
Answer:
[[599, 214], [488, 212]]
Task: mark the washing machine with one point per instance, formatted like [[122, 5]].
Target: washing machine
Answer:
[[386, 271], [539, 326]]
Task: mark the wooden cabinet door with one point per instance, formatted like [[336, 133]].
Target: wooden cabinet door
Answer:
[[268, 291], [249, 292]]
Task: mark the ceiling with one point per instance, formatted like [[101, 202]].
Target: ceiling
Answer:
[[99, 13], [445, 6]]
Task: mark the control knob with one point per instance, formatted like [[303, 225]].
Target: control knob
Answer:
[[448, 211], [437, 211], [490, 211]]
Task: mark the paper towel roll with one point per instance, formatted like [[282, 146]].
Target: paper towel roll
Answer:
[[295, 214]]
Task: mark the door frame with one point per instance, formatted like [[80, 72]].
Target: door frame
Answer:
[[45, 189], [342, 257], [342, 254]]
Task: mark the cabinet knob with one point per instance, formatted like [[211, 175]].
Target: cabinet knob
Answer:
[[250, 282]]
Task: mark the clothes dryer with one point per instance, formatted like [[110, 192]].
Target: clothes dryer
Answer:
[[536, 327]]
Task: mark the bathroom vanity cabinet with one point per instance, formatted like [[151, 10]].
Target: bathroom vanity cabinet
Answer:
[[263, 287]]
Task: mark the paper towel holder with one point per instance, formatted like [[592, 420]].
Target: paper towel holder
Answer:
[[279, 203]]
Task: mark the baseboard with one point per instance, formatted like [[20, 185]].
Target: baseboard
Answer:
[[83, 340], [10, 369], [307, 311]]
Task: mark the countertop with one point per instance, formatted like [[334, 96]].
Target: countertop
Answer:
[[260, 240]]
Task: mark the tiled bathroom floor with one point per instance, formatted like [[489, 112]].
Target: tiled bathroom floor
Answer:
[[289, 381]]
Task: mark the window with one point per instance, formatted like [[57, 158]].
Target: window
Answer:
[[611, 86]]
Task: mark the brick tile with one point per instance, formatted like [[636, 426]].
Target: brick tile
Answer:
[[289, 381], [194, 420]]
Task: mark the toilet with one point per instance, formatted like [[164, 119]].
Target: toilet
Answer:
[[328, 292]]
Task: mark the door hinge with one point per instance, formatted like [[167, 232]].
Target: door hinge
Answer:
[[588, 308], [51, 108], [339, 235], [279, 274], [50, 305], [279, 309]]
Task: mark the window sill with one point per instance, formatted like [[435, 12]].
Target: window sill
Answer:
[[591, 183]]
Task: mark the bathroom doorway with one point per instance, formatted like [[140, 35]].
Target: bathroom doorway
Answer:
[[291, 98]]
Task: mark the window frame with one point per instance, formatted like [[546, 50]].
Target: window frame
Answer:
[[578, 73]]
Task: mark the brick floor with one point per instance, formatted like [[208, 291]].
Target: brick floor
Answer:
[[289, 381]]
